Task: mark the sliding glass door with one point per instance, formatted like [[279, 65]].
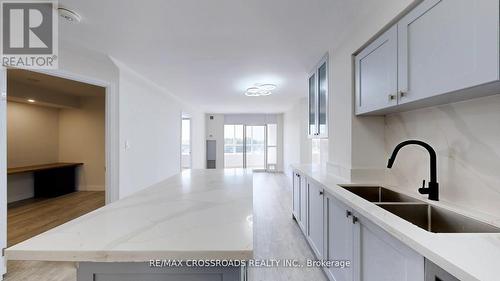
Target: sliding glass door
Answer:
[[246, 146], [233, 146], [255, 143]]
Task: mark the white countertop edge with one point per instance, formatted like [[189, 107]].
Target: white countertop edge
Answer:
[[126, 256], [403, 230]]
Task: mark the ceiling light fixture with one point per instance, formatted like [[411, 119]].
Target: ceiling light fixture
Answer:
[[31, 100], [268, 87], [69, 15], [260, 90]]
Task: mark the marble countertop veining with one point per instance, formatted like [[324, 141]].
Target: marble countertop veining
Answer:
[[197, 214], [468, 256]]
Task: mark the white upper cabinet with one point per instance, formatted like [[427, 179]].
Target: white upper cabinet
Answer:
[[318, 100], [441, 51], [377, 73], [447, 45]]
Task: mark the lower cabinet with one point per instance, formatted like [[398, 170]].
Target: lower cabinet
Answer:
[[382, 257], [303, 204], [296, 195], [340, 236], [362, 250], [300, 200], [315, 228]]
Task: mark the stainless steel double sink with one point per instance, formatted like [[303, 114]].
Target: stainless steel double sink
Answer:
[[428, 217]]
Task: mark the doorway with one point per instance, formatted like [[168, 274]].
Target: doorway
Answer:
[[250, 146], [186, 160], [56, 151]]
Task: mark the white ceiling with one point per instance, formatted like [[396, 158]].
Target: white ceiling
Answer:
[[208, 52]]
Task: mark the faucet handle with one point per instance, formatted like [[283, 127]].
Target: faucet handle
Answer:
[[423, 189]]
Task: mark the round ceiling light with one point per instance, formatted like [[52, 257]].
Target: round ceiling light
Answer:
[[268, 87], [260, 90], [69, 15]]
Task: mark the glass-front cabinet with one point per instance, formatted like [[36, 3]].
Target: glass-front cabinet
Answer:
[[312, 106], [318, 100]]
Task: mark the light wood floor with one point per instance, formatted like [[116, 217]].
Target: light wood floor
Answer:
[[276, 235], [31, 217]]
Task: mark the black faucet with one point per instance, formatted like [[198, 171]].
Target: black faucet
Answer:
[[433, 189]]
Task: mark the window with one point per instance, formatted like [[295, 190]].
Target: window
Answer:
[[249, 146], [272, 143], [186, 137]]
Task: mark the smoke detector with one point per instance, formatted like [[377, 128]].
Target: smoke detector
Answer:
[[69, 15]]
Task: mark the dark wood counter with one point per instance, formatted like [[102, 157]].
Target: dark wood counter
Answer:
[[36, 168], [51, 180]]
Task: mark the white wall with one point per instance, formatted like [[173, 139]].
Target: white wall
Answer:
[[32, 134], [356, 144], [150, 121], [296, 144], [32, 138], [82, 139], [150, 132]]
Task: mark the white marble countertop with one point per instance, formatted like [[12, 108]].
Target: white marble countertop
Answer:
[[198, 214], [468, 256]]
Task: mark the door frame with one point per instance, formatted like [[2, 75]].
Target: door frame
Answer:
[[112, 142], [3, 169]]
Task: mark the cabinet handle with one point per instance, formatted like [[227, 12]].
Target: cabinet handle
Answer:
[[354, 220], [402, 94], [348, 213], [392, 97], [321, 193]]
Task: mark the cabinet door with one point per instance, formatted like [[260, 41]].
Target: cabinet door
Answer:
[[323, 99], [296, 195], [383, 257], [303, 204], [447, 45], [313, 130], [376, 74], [339, 238], [315, 218]]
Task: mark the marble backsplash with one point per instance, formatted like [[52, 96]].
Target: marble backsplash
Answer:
[[466, 137]]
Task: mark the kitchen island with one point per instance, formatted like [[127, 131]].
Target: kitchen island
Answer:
[[197, 217]]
